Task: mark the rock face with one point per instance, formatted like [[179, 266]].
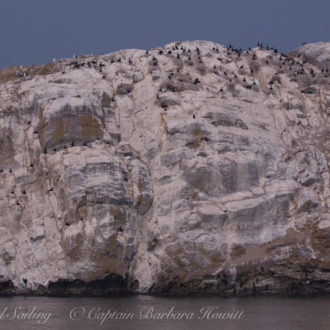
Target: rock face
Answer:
[[316, 53], [192, 168]]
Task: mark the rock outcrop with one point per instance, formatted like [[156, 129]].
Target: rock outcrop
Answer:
[[192, 168]]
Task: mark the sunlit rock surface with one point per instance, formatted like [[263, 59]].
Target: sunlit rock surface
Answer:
[[191, 168]]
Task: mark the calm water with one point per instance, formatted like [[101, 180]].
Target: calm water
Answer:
[[145, 312]]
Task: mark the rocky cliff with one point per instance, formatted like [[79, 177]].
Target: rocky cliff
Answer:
[[192, 168]]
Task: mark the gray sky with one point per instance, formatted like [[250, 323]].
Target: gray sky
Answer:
[[35, 31]]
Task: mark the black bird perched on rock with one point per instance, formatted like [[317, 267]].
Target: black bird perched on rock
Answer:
[[196, 81], [194, 116]]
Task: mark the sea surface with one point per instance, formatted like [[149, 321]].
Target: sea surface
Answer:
[[147, 312]]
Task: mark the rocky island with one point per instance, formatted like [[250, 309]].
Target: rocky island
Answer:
[[191, 168]]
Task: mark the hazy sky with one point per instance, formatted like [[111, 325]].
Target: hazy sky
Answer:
[[35, 31]]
